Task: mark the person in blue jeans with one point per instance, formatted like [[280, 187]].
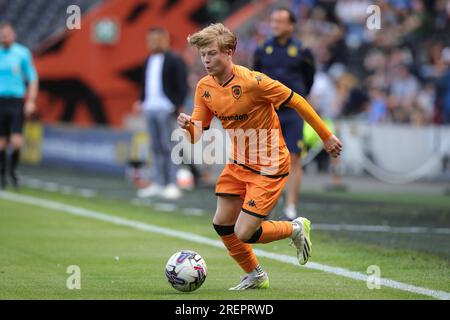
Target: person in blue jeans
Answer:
[[18, 80], [164, 91]]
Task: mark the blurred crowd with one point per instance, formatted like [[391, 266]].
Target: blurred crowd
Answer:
[[399, 73]]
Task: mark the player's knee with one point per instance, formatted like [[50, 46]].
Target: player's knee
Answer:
[[242, 233], [249, 236], [245, 235], [223, 230], [217, 220], [220, 220], [255, 236], [223, 218]]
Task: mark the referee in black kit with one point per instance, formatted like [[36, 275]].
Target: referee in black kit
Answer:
[[284, 58], [16, 72]]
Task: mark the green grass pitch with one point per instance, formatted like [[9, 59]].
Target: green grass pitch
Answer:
[[120, 262]]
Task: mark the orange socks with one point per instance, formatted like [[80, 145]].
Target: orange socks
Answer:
[[241, 252], [274, 230]]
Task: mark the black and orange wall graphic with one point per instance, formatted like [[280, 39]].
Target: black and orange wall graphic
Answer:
[[87, 83]]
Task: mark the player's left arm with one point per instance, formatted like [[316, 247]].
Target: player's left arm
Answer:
[[280, 96], [330, 142]]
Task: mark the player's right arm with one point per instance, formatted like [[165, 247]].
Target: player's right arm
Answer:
[[200, 119]]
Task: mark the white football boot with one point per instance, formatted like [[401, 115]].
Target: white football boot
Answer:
[[301, 239], [253, 282]]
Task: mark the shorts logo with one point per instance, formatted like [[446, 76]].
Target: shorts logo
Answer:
[[251, 203], [236, 91], [258, 79]]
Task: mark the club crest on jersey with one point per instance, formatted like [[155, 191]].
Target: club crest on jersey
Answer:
[[236, 91], [206, 95]]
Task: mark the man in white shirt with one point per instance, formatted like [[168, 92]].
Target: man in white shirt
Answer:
[[163, 93]]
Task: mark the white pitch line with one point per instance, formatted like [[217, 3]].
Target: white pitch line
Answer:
[[77, 211], [378, 228]]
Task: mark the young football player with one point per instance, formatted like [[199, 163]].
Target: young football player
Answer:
[[251, 183]]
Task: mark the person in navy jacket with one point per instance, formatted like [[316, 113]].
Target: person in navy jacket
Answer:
[[284, 58]]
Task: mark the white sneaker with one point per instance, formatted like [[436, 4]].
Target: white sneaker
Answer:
[[151, 191], [253, 282], [301, 239], [171, 192]]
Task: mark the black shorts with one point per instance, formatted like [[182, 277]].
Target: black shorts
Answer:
[[11, 116]]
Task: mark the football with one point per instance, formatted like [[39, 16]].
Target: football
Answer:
[[186, 270]]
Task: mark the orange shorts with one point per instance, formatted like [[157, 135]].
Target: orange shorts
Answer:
[[260, 193]]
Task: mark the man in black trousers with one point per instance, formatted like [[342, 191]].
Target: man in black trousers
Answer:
[[16, 72]]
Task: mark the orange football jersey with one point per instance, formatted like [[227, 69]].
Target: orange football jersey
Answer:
[[245, 105]]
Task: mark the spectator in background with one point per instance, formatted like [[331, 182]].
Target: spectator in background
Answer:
[[357, 104], [403, 93], [16, 70], [413, 34], [443, 90], [377, 111], [164, 91], [284, 58], [324, 96], [425, 102], [352, 13]]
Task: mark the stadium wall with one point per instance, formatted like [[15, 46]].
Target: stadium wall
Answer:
[[392, 153], [96, 149]]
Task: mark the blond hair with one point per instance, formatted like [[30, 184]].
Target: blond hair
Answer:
[[225, 38]]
